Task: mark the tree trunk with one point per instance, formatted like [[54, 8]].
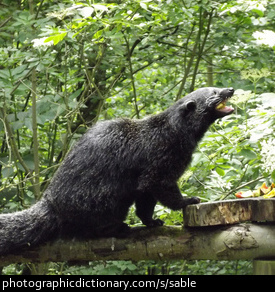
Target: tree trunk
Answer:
[[234, 242]]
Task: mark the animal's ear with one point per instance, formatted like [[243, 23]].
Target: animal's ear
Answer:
[[189, 106]]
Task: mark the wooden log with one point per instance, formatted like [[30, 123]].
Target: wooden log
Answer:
[[263, 267], [230, 212], [232, 242]]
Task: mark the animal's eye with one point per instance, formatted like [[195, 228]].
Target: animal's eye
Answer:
[[215, 92]]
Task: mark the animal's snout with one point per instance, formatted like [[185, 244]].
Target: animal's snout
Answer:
[[227, 92]]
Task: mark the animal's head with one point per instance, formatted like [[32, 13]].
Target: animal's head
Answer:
[[201, 108], [208, 101]]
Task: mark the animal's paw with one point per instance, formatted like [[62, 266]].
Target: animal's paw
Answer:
[[191, 201], [154, 223], [194, 200]]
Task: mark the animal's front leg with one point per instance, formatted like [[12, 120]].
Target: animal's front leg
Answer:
[[145, 204], [169, 195]]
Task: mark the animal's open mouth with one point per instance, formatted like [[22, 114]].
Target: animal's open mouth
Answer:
[[222, 107]]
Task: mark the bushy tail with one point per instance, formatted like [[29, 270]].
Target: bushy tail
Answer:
[[27, 228]]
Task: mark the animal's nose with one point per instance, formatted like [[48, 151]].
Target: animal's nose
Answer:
[[227, 92]]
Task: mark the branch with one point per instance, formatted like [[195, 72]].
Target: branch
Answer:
[[130, 51], [190, 62], [36, 185], [35, 138], [201, 48], [5, 21], [234, 242], [12, 141], [242, 186]]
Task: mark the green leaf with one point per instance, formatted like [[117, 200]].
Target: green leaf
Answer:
[[75, 94], [7, 171], [143, 5], [98, 34], [56, 38], [220, 171], [18, 70], [248, 154], [5, 74], [258, 11]]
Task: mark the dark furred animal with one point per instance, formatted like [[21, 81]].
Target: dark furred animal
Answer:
[[115, 164]]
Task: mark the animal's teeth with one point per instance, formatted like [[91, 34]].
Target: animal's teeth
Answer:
[[220, 105]]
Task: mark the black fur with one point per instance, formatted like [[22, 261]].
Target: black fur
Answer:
[[115, 164]]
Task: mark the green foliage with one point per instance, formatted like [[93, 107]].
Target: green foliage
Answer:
[[105, 268], [179, 267], [76, 62]]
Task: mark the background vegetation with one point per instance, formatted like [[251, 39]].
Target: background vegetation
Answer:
[[64, 65]]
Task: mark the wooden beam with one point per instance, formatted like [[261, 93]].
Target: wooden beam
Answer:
[[230, 212], [234, 242]]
